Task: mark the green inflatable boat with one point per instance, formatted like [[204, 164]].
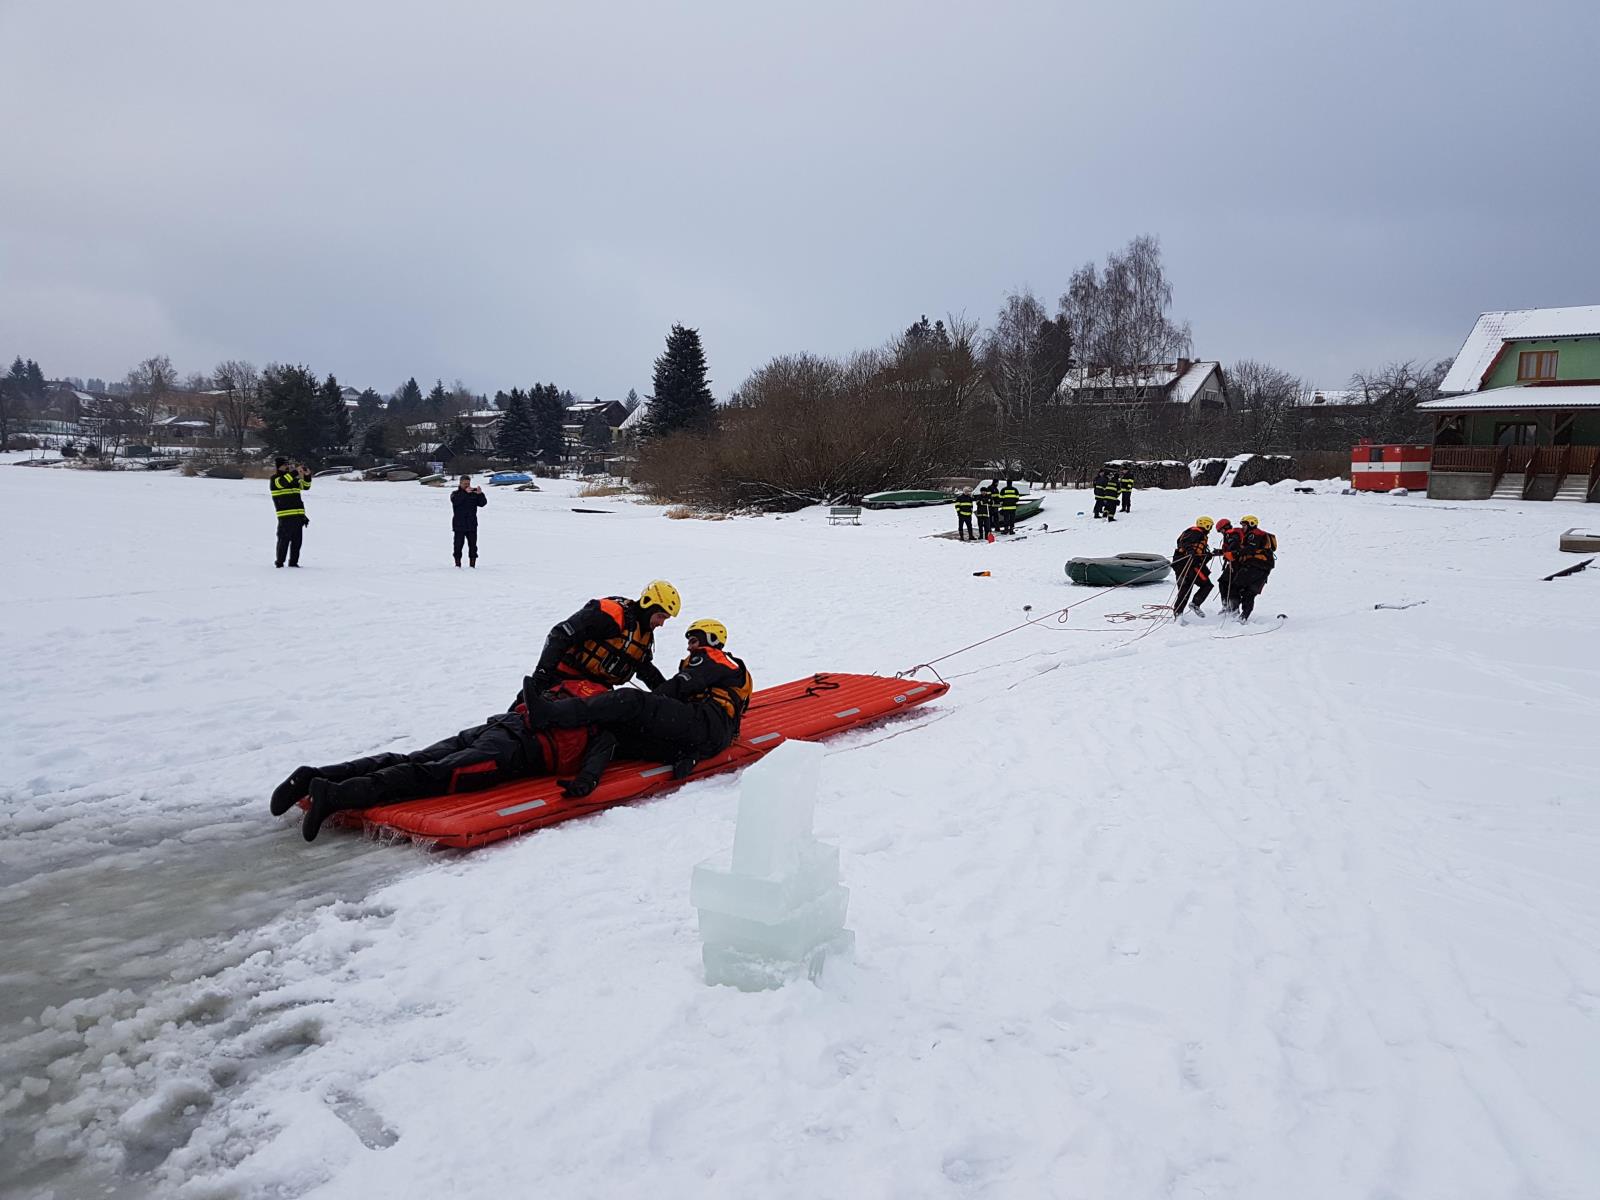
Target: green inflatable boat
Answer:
[[1118, 569], [906, 499]]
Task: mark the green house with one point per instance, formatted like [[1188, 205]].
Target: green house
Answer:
[[1518, 414]]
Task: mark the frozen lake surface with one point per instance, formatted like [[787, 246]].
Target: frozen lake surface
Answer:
[[1308, 911]]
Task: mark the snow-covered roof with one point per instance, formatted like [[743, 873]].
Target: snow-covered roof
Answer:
[[1520, 396], [484, 414], [1155, 376], [83, 395], [1191, 381], [636, 418], [1494, 329], [1322, 396]]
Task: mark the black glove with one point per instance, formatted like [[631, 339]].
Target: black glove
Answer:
[[683, 768], [577, 789]]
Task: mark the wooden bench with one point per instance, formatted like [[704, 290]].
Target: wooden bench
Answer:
[[844, 514]]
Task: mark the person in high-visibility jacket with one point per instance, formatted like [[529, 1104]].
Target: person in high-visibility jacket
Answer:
[[986, 510], [1231, 534], [1190, 560], [1256, 556], [609, 640], [693, 716], [1105, 494], [289, 483], [504, 748], [1008, 507], [1125, 486], [964, 506]]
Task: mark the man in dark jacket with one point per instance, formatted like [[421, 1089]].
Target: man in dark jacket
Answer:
[[1253, 562], [465, 502], [1191, 561], [1008, 507], [964, 516], [503, 748], [1105, 494], [288, 483], [609, 640], [694, 715]]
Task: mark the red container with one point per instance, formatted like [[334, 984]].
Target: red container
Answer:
[[1383, 468]]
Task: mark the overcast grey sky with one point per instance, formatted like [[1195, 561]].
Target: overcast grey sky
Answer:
[[510, 192]]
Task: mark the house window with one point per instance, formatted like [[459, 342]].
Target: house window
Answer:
[[1536, 364], [1516, 434]]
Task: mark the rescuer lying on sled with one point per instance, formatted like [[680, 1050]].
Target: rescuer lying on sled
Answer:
[[692, 716], [503, 748]]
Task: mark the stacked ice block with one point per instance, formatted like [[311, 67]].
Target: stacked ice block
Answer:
[[775, 910]]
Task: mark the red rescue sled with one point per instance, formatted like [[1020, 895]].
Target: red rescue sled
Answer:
[[810, 708]]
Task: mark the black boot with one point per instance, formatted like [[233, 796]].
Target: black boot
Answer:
[[328, 798], [547, 713], [288, 793]]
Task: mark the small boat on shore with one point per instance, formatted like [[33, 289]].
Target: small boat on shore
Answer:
[[1029, 506], [906, 499], [500, 478]]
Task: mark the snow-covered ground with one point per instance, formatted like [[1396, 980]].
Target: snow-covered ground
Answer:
[[1309, 912]]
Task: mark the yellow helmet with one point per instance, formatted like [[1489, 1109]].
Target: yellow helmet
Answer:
[[658, 593], [1203, 522], [712, 633], [1247, 520]]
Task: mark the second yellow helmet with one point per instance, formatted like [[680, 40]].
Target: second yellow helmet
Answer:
[[713, 633]]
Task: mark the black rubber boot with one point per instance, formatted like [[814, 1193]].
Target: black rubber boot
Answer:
[[328, 798], [288, 793]]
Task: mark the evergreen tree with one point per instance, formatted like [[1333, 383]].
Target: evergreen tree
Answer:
[[374, 441], [293, 412], [336, 417], [35, 382], [631, 400], [369, 408], [682, 399], [438, 401], [548, 415], [516, 438], [597, 433], [461, 440], [408, 400]]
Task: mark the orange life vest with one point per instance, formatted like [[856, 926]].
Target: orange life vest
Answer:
[[731, 697], [611, 660]]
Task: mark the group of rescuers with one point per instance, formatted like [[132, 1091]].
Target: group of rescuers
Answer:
[[994, 506], [571, 718], [290, 481], [1248, 554]]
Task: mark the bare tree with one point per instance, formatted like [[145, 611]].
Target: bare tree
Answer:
[[149, 385], [1118, 319], [1387, 411], [939, 368], [1025, 358], [239, 403], [1265, 399]]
